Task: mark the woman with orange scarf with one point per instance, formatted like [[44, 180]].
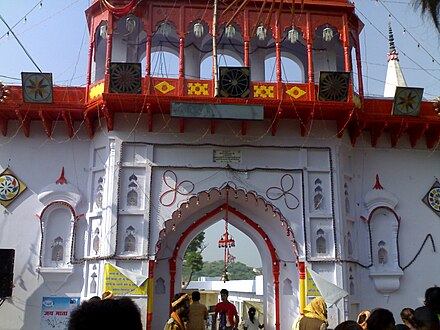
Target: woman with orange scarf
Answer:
[[180, 305], [314, 318]]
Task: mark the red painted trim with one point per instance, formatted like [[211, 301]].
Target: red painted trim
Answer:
[[72, 210], [381, 207]]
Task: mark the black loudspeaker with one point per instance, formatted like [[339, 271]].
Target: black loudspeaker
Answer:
[[6, 272], [333, 86], [234, 81], [125, 78]]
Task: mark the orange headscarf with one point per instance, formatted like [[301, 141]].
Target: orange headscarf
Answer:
[[363, 324]]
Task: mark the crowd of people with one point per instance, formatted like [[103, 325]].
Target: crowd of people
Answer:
[[109, 313], [425, 317]]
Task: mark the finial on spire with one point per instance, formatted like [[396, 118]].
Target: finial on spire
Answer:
[[392, 54], [61, 179], [391, 37]]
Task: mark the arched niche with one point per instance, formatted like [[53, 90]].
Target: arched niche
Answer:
[[328, 53], [128, 40], [99, 52]]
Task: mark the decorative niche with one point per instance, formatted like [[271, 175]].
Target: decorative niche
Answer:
[[57, 221], [383, 223]]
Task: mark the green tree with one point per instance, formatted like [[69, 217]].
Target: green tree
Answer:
[[193, 259], [432, 7]]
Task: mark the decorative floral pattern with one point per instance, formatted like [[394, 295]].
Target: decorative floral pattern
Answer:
[[287, 183], [10, 187], [183, 188]]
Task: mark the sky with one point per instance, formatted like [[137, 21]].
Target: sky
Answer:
[[55, 36]]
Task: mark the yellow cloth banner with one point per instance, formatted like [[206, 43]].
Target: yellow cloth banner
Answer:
[[312, 289], [119, 284]]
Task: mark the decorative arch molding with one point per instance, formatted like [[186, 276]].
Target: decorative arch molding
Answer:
[[383, 231], [57, 223], [185, 226]]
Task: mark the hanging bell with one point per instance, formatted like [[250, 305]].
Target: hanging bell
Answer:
[[164, 29], [230, 31], [261, 32], [103, 31], [198, 30], [224, 277], [130, 24], [327, 34], [292, 35]]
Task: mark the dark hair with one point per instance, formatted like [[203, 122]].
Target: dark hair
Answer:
[[381, 319], [348, 325], [401, 326], [195, 296], [406, 315], [432, 298], [109, 314], [224, 291], [425, 318], [252, 309]]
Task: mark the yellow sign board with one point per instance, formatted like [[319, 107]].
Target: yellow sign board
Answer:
[[121, 285], [312, 289]]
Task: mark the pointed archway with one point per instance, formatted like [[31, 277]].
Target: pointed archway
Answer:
[[254, 216]]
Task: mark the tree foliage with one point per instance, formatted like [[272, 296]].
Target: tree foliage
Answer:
[[432, 7], [193, 259], [236, 270]]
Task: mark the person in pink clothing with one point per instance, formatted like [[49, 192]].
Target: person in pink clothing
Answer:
[[226, 312]]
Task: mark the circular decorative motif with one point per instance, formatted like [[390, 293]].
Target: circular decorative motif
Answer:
[[9, 187], [434, 199], [125, 78], [37, 88], [234, 82], [333, 86]]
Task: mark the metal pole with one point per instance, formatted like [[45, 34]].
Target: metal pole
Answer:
[[214, 49]]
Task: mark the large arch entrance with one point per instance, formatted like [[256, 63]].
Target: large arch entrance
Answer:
[[254, 216]]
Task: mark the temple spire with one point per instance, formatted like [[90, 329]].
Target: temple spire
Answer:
[[395, 76]]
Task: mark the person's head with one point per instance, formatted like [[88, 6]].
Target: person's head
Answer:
[[251, 312], [381, 319], [317, 308], [195, 296], [406, 314], [109, 314], [180, 304], [362, 319], [432, 299], [348, 325], [224, 294], [425, 318]]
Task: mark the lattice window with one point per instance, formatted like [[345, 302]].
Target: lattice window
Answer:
[[99, 193], [347, 199], [96, 241], [130, 240], [132, 195], [321, 243], [318, 198], [93, 284]]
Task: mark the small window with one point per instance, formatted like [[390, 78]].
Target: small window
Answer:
[[130, 240]]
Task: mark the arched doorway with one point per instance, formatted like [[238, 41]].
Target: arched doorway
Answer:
[[254, 216]]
